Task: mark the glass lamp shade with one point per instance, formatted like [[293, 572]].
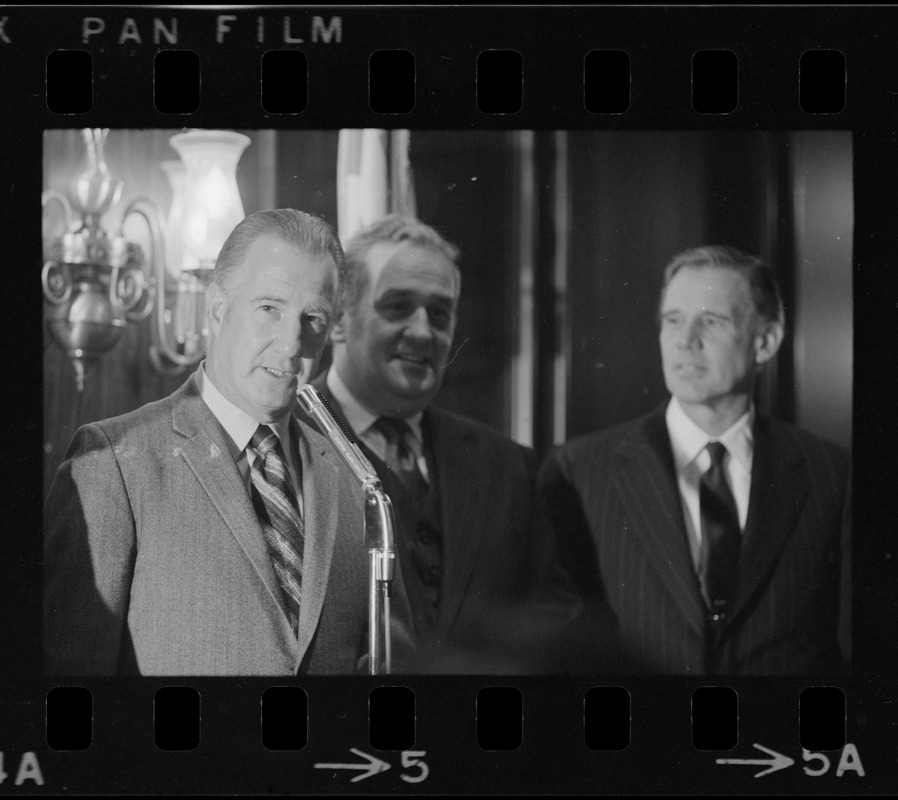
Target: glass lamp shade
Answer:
[[211, 203], [176, 259]]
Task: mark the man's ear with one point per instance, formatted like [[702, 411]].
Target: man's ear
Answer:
[[768, 339], [338, 331], [215, 306]]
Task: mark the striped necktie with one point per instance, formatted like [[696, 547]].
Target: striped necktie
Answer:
[[721, 538], [401, 458], [275, 502]]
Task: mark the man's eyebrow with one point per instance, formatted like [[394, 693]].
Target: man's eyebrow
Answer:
[[715, 313], [406, 293], [270, 298], [325, 310], [710, 312]]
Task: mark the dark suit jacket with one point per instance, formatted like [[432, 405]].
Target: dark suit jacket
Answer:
[[156, 563], [498, 552], [614, 500]]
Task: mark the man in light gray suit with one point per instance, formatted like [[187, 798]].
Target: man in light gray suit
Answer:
[[211, 532]]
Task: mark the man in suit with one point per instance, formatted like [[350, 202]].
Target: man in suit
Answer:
[[211, 532], [714, 535], [469, 542]]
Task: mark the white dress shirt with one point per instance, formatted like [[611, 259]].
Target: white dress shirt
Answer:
[[361, 419], [692, 459], [240, 428]]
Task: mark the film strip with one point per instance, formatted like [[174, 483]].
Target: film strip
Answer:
[[463, 72]]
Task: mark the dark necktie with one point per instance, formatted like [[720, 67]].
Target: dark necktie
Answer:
[[275, 502], [401, 459], [720, 536], [419, 543]]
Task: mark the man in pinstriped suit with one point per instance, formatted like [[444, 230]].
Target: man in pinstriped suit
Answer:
[[163, 554], [630, 514]]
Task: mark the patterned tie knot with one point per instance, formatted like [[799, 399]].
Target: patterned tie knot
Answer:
[[401, 455], [264, 441], [394, 428], [397, 432], [717, 452]]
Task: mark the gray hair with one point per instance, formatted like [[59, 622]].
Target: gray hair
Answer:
[[393, 228], [762, 282], [308, 234]]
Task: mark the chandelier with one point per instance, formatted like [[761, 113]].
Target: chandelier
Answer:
[[96, 282]]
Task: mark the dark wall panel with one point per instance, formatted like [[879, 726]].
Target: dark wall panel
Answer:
[[464, 183], [637, 198]]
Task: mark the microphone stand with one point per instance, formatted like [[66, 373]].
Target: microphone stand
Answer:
[[379, 528]]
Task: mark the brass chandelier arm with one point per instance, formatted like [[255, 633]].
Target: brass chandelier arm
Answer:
[[164, 357], [51, 194], [146, 285], [56, 283], [96, 282]]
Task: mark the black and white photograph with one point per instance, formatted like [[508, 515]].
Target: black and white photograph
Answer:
[[449, 400], [536, 388]]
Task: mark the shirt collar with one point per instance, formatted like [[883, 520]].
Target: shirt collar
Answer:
[[688, 440], [359, 417], [239, 425]]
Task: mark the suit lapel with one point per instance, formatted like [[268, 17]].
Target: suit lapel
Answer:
[[319, 489], [646, 484], [462, 475], [207, 454], [779, 490]]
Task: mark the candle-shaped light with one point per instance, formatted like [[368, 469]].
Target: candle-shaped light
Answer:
[[176, 260], [208, 209], [212, 204]]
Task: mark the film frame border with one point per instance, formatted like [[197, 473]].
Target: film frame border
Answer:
[[770, 38]]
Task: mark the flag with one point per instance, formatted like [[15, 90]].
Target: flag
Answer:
[[402, 185], [374, 177]]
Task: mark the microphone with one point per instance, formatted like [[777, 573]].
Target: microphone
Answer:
[[379, 527], [316, 407]]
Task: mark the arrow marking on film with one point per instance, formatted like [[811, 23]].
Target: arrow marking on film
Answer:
[[779, 761], [373, 766]]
